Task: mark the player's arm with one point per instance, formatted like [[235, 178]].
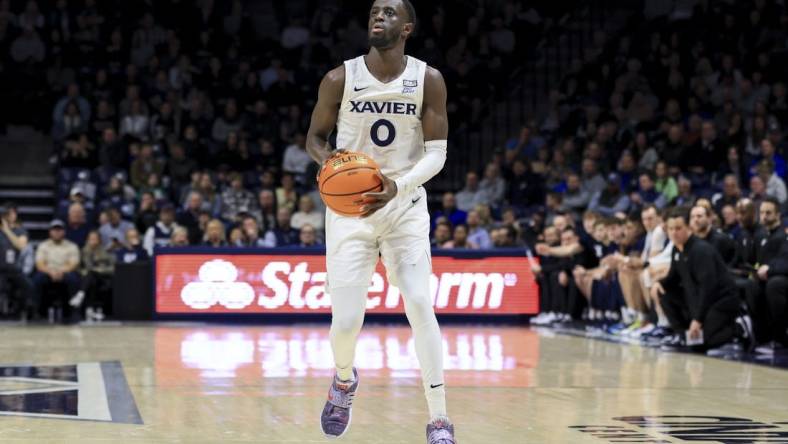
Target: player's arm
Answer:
[[324, 116], [435, 126]]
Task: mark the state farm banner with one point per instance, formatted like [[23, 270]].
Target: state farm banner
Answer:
[[295, 283]]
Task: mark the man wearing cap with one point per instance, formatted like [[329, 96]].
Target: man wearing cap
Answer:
[[13, 240], [611, 200], [160, 233], [57, 260]]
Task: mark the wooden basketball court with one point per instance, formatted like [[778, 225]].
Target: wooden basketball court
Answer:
[[194, 383]]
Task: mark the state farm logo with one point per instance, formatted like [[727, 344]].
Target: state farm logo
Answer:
[[217, 285], [285, 284]]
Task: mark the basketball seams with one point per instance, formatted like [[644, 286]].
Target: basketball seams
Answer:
[[380, 185], [323, 182]]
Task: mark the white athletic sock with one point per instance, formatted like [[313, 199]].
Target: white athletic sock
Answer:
[[347, 316], [413, 282]]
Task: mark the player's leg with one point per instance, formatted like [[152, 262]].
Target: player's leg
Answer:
[[413, 282], [347, 315], [351, 255]]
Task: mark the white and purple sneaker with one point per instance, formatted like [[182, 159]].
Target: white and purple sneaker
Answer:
[[440, 431], [336, 416]]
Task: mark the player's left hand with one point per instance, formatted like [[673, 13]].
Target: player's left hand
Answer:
[[376, 201]]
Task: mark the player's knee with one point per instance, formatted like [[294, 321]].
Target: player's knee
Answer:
[[347, 324]]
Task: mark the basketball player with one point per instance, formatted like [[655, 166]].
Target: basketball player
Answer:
[[391, 107]]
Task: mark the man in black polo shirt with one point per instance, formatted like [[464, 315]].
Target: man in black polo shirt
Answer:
[[698, 295]]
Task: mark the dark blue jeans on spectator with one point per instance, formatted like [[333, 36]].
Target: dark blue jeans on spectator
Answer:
[[71, 281], [20, 284]]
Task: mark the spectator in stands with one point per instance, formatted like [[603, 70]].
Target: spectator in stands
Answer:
[[647, 193], [769, 152], [460, 239], [775, 186], [441, 234], [525, 188], [493, 186], [449, 210], [211, 200], [757, 190], [685, 196], [236, 199], [79, 152], [13, 242], [72, 96], [114, 231], [160, 233], [283, 235], [229, 122], [98, 266], [665, 183], [477, 234], [308, 236], [268, 209], [214, 234], [57, 261], [731, 193], [711, 313], [180, 166], [730, 223], [286, 195], [131, 250], [611, 200], [592, 180], [144, 165], [471, 195], [296, 159], [307, 215], [250, 233], [575, 198], [147, 213], [136, 124], [113, 153], [70, 124], [189, 217], [118, 192], [504, 237], [155, 188], [180, 237], [77, 226]]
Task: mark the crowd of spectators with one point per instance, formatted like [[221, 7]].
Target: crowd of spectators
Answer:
[[662, 161], [183, 123]]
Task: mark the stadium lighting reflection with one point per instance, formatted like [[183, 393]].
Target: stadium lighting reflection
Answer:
[[218, 354]]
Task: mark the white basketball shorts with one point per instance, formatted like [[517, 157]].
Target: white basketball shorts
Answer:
[[399, 233]]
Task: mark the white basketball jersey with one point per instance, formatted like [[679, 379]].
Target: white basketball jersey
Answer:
[[383, 120]]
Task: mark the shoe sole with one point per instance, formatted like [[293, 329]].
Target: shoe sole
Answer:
[[349, 418]]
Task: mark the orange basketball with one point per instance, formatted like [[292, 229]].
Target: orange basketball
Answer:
[[345, 178]]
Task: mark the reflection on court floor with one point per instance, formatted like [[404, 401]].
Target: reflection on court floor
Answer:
[[502, 356]]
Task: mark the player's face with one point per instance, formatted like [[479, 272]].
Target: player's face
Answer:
[[388, 22]]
